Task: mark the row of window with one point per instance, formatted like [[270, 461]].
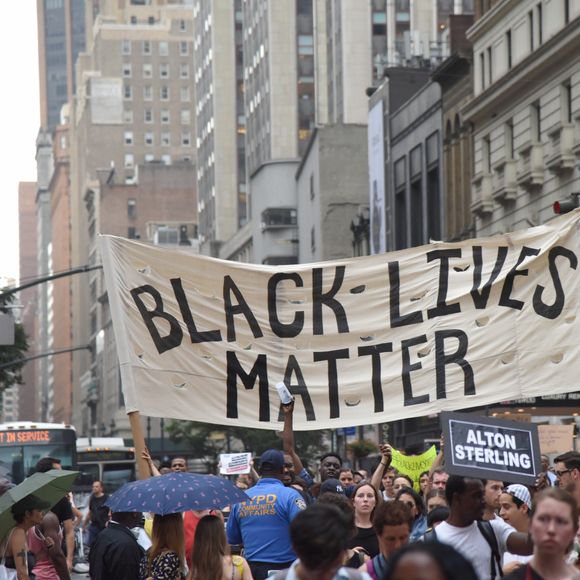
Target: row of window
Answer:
[[164, 93], [164, 116], [164, 70], [147, 47], [164, 139]]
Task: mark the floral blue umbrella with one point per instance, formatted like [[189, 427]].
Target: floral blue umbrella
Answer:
[[174, 493]]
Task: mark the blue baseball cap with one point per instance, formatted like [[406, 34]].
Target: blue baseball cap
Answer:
[[272, 460]]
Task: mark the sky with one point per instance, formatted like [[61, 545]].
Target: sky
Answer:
[[19, 121]]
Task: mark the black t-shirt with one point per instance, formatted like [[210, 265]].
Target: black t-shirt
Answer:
[[63, 510], [522, 574], [367, 539], [99, 512]]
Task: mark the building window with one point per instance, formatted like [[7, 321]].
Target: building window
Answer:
[[148, 115], [132, 233], [127, 116], [126, 47], [146, 46], [184, 93], [127, 70], [183, 25], [131, 208], [312, 239], [164, 92], [183, 48], [129, 160], [127, 92], [531, 29], [566, 102], [185, 117], [482, 69], [163, 48], [147, 93], [165, 139], [508, 42], [149, 157], [147, 70], [539, 12], [165, 116], [186, 139], [566, 11], [166, 159], [164, 70], [149, 138], [486, 154], [489, 65], [535, 122], [184, 70], [509, 140], [312, 186], [128, 137]]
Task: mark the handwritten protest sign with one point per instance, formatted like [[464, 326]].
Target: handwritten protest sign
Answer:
[[414, 465], [487, 448], [359, 341], [235, 463], [556, 438]]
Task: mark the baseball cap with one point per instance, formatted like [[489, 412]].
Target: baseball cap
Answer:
[[333, 486], [521, 492], [272, 460]]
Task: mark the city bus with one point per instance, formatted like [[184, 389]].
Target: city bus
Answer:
[[106, 459], [23, 443]]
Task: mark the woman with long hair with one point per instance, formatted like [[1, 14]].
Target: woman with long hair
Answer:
[[165, 559], [365, 499], [210, 559], [553, 527], [415, 502]]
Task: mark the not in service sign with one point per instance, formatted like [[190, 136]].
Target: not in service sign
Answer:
[[487, 448]]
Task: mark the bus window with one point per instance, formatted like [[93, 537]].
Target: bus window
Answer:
[[117, 474]]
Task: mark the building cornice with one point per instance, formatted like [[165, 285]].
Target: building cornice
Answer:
[[490, 19], [558, 52]]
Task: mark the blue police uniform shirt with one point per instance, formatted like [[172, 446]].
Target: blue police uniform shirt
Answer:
[[262, 524]]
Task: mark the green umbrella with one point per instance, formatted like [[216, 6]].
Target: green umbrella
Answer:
[[50, 487]]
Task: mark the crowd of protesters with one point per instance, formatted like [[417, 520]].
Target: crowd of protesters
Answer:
[[335, 524]]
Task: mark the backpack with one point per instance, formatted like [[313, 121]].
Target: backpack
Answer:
[[486, 530]]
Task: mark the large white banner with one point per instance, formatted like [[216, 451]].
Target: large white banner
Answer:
[[359, 341]]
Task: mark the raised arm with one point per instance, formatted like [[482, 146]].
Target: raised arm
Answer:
[[153, 471], [288, 437], [438, 460], [386, 458]]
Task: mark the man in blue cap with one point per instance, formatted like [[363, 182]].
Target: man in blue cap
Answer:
[[262, 524]]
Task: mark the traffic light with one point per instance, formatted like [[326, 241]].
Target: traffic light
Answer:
[[567, 205]]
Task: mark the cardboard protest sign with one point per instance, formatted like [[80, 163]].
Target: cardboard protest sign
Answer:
[[414, 465], [487, 448], [235, 463], [556, 438], [358, 341]]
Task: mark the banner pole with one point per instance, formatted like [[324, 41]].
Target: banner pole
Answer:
[[139, 442]]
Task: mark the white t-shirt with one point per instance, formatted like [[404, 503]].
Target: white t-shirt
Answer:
[[472, 545]]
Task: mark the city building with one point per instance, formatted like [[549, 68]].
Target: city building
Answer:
[[133, 110], [220, 121], [28, 395], [525, 112], [331, 188]]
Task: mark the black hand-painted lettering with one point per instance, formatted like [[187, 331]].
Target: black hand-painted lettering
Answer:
[[331, 356], [278, 328], [457, 357], [395, 301], [259, 371], [442, 308], [375, 350], [241, 307], [480, 298], [554, 310], [508, 285], [195, 335], [408, 398], [320, 299], [298, 390], [162, 343]]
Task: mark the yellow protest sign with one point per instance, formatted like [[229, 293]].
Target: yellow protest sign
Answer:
[[414, 465]]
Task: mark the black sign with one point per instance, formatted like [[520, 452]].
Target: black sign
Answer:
[[487, 448]]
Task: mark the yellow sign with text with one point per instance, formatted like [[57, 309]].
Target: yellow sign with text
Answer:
[[414, 465]]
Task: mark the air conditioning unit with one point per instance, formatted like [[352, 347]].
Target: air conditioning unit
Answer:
[[166, 236]]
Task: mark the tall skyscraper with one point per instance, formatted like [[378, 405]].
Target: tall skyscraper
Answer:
[[61, 37]]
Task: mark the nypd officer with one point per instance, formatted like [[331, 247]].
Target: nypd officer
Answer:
[[262, 524]]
